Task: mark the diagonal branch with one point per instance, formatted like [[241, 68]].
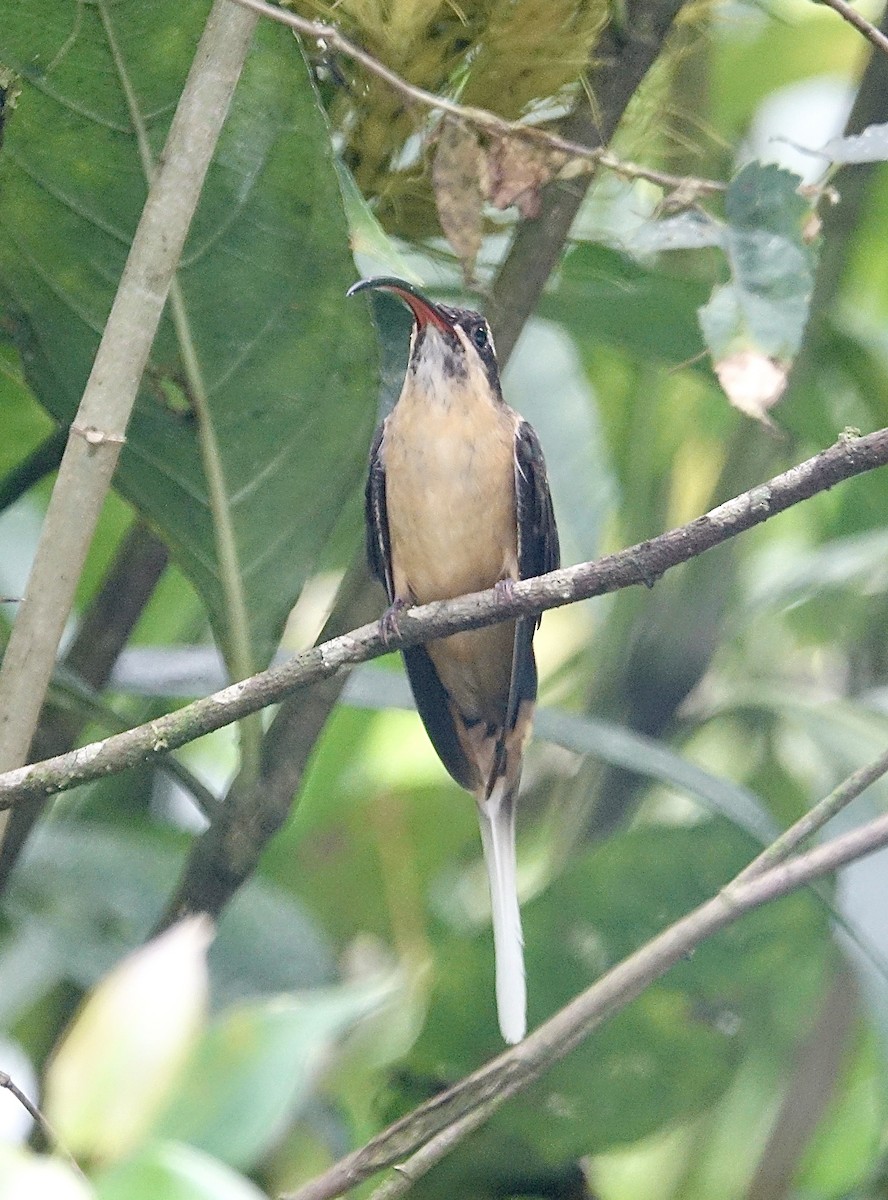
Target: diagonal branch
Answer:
[[254, 809], [642, 564], [432, 1150], [860, 23], [481, 118], [431, 1130], [625, 52]]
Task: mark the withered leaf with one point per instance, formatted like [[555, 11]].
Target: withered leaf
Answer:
[[517, 170], [459, 189]]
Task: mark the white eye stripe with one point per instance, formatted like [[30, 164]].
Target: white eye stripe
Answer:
[[470, 336]]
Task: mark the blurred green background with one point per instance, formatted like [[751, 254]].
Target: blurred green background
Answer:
[[680, 726]]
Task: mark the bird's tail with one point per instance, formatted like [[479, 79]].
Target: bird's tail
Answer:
[[496, 816]]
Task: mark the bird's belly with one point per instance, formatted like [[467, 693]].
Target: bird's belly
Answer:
[[450, 500], [451, 507]]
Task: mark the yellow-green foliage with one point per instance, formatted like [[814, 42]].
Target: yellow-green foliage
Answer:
[[505, 55], [530, 50]]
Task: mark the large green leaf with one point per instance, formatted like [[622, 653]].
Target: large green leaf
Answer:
[[62, 926], [606, 297], [169, 1171], [255, 1068], [287, 367], [765, 305], [674, 1050]]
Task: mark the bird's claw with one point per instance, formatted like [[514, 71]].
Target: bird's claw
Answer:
[[505, 589], [388, 622]]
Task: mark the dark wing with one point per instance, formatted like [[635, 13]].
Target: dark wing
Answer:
[[538, 552], [432, 700], [436, 710], [379, 547], [538, 548]]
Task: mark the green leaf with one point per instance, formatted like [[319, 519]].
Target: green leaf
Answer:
[[603, 296], [28, 1176], [167, 1171], [674, 1050], [847, 1144], [63, 927], [871, 145], [765, 306], [255, 1068], [25, 424], [375, 252], [625, 748], [125, 1051], [288, 369]]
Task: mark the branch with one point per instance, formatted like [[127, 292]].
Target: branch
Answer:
[[224, 856], [815, 819], [625, 52], [104, 630], [255, 809], [444, 1119], [99, 428], [642, 564], [861, 24], [45, 458], [41, 1122], [481, 118]]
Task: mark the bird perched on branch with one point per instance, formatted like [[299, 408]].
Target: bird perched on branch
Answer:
[[458, 501]]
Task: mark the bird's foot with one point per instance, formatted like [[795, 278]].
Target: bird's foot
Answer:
[[388, 622], [505, 589]]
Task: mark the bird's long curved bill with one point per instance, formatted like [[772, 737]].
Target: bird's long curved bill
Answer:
[[425, 311]]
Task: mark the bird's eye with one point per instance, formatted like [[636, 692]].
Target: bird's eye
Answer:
[[479, 336]]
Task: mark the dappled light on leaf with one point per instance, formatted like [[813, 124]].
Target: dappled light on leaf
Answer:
[[255, 1067], [171, 1171], [128, 1045]]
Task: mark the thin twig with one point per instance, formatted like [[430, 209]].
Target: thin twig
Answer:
[[642, 564], [860, 23], [813, 820], [448, 1116], [436, 1148], [45, 458], [481, 118], [625, 52], [44, 1126]]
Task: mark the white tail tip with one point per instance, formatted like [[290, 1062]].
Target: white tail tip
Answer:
[[497, 820]]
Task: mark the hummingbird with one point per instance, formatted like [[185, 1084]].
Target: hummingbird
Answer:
[[458, 501]]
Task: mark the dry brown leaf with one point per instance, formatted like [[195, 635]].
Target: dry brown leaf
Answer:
[[753, 382], [459, 190], [517, 171]]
